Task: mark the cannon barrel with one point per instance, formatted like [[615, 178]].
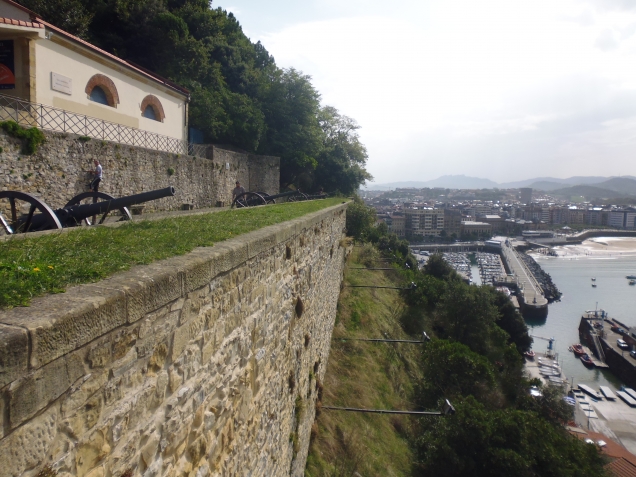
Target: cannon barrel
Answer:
[[70, 216]]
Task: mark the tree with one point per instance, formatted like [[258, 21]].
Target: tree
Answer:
[[360, 219], [69, 15], [476, 442], [343, 157]]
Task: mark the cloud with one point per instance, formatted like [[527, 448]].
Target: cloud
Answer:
[[606, 41], [464, 86]]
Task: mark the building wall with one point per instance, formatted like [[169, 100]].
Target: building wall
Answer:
[[207, 364], [59, 171], [64, 57]]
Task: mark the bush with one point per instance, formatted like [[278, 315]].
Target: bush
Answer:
[[32, 137]]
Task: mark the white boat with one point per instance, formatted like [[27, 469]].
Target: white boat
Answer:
[[593, 279], [632, 282], [594, 285]]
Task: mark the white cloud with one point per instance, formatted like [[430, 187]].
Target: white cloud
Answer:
[[487, 77]]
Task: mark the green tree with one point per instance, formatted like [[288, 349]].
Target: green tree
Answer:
[[342, 159], [476, 442], [69, 15], [360, 219]]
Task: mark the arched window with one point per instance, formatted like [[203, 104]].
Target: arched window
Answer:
[[151, 108], [149, 113], [99, 96], [101, 89]]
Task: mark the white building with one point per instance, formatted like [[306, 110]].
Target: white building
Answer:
[[41, 63]]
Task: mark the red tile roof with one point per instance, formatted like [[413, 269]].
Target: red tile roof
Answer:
[[11, 21], [622, 468]]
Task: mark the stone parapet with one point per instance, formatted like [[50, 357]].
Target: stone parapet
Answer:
[[59, 170], [204, 364]]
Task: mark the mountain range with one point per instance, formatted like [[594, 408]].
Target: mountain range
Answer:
[[587, 186]]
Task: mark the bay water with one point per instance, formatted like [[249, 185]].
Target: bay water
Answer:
[[572, 273]]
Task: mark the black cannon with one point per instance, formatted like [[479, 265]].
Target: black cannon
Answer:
[[252, 199], [76, 212]]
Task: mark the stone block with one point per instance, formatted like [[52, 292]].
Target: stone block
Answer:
[[14, 353], [90, 451], [228, 255], [184, 334], [261, 241], [29, 395], [82, 390], [59, 324], [197, 269], [27, 447]]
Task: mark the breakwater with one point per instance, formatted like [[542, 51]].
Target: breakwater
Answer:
[[550, 290]]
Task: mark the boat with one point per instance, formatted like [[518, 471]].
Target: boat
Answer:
[[631, 277], [529, 354], [632, 282], [587, 361], [589, 391], [593, 279], [594, 285], [577, 349]]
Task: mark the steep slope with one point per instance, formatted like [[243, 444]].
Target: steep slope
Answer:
[[366, 375]]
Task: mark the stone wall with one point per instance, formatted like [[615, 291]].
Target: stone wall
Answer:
[[59, 170], [207, 364]]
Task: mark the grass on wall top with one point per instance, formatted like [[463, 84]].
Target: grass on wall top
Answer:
[[50, 263]]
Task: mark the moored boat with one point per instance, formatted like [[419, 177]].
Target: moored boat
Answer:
[[529, 354], [577, 349], [631, 277], [632, 282], [594, 285], [587, 361]]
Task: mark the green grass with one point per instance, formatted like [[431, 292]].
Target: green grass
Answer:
[[366, 375], [49, 263]]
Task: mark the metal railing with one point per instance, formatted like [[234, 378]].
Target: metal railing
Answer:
[[49, 118]]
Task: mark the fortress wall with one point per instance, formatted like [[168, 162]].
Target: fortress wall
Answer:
[[207, 364], [59, 170]]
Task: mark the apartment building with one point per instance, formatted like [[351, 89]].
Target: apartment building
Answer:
[[423, 222]]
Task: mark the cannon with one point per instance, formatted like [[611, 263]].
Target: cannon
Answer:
[[75, 213], [252, 199]]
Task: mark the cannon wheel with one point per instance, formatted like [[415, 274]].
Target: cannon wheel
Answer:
[[299, 196], [125, 213], [248, 199], [14, 224], [267, 198]]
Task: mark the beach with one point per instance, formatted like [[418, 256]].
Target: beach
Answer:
[[600, 248]]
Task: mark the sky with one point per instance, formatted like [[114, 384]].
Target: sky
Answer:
[[499, 89]]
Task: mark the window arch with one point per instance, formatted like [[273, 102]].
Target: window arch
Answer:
[[151, 108], [108, 90]]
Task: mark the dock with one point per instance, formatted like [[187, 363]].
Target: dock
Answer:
[[588, 390], [631, 392], [597, 362], [607, 392], [531, 294], [627, 398]]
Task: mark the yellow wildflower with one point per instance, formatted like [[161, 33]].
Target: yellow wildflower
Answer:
[[36, 269], [50, 267]]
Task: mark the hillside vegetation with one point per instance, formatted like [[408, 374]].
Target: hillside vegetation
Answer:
[[473, 360]]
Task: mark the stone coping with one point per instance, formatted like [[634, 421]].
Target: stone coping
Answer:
[[55, 325]]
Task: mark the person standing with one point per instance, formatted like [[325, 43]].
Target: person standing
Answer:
[[98, 172], [238, 190]]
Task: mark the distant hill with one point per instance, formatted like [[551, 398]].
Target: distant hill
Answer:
[[446, 182], [623, 184], [587, 191]]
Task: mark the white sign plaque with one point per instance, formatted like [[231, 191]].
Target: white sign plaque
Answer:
[[61, 83]]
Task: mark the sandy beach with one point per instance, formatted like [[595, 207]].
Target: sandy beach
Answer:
[[600, 247]]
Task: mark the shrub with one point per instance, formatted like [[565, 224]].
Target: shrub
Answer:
[[32, 137]]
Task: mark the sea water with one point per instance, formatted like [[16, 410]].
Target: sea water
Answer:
[[572, 274]]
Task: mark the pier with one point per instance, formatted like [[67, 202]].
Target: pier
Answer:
[[532, 299]]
